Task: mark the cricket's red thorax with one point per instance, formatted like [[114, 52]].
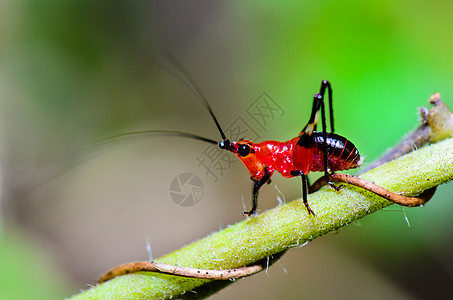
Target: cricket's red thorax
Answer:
[[267, 156]]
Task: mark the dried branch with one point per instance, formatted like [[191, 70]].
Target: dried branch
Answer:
[[149, 266]]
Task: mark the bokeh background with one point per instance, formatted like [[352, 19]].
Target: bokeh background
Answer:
[[72, 72]]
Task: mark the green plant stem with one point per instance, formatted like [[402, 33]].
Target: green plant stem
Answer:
[[285, 226]]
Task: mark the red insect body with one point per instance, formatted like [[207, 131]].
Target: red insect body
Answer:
[[287, 157]]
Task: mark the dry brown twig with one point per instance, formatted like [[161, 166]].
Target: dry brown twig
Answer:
[[149, 266]]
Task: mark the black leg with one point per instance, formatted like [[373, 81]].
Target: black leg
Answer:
[[324, 134], [318, 104], [256, 187], [325, 84], [305, 193], [307, 131]]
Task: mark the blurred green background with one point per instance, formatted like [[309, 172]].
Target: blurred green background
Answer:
[[72, 72]]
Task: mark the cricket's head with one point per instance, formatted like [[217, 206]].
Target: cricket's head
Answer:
[[242, 148], [245, 150]]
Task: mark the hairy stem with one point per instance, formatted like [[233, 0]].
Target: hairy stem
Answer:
[[285, 226]]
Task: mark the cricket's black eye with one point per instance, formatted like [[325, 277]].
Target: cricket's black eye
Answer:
[[244, 150]]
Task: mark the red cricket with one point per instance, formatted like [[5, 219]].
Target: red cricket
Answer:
[[309, 151]]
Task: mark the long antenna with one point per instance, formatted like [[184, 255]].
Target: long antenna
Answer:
[[190, 83], [96, 147], [114, 139], [164, 132]]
